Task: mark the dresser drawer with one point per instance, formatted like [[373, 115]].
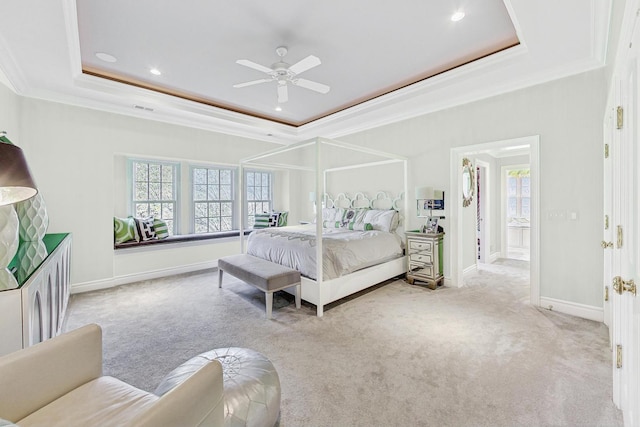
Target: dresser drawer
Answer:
[[421, 270], [425, 258], [420, 245]]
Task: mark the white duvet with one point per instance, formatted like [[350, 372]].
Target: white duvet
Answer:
[[344, 251]]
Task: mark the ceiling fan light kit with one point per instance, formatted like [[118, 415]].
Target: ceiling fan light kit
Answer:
[[283, 74]]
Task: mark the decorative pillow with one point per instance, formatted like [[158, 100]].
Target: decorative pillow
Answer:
[[124, 229], [352, 216], [361, 226], [145, 228], [274, 217], [261, 220], [282, 221], [383, 220], [160, 226]]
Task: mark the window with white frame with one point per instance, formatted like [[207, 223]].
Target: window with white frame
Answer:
[[154, 192], [157, 189], [213, 201], [258, 193], [518, 196]]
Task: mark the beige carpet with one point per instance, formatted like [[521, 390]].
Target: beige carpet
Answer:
[[396, 355]]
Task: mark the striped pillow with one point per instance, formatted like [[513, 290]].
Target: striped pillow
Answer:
[[160, 225], [261, 220]]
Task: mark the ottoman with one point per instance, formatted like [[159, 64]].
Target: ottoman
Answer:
[[251, 385]]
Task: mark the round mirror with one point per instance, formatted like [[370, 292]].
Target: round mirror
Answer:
[[467, 182]]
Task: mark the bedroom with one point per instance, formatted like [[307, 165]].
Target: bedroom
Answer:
[[72, 152]]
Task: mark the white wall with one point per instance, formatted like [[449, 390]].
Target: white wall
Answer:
[[71, 153], [567, 114], [9, 115]]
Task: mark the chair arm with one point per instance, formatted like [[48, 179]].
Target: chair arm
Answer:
[[36, 376], [195, 401]]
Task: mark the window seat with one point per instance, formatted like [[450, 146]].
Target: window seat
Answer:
[[180, 239]]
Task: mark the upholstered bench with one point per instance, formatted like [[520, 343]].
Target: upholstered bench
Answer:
[[251, 385], [264, 275]]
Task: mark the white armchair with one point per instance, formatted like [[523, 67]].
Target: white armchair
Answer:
[[59, 382]]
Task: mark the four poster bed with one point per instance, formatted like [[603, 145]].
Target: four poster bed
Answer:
[[358, 239]]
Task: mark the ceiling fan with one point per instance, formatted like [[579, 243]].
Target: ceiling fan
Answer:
[[284, 74]]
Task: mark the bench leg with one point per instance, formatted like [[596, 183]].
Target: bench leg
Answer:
[[269, 303], [220, 277], [298, 294]]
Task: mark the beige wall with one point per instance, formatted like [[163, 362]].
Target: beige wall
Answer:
[[72, 152], [567, 114]]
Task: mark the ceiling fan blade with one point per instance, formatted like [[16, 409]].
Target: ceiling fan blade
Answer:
[[283, 94], [306, 64], [253, 82], [308, 84], [253, 65]]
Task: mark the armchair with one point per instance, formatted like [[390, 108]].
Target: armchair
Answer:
[[59, 382]]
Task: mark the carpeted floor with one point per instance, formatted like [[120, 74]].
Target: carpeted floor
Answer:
[[395, 355]]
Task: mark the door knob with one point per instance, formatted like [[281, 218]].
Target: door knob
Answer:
[[620, 285], [606, 245]]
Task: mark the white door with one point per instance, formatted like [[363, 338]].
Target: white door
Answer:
[[626, 255], [607, 235]]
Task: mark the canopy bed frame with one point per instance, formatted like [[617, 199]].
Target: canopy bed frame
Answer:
[[321, 292]]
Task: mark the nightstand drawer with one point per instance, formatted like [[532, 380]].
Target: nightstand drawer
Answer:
[[420, 246], [421, 270], [421, 258]]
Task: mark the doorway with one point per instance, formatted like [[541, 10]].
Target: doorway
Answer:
[[459, 214]]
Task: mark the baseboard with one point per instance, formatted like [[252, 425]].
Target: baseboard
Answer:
[[470, 269], [137, 277], [493, 257], [574, 309]]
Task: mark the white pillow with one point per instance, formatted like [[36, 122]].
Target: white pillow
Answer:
[[329, 214], [383, 220]]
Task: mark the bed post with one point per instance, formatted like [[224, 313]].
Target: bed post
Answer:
[[319, 192], [240, 211]]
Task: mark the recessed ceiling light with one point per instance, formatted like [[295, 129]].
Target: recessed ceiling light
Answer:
[[155, 71], [278, 108], [457, 16], [106, 57]]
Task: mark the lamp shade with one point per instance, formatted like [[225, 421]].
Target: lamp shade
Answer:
[[16, 183], [424, 193]]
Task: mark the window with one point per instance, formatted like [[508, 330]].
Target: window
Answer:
[[259, 194], [154, 191], [213, 201], [518, 196], [193, 198]]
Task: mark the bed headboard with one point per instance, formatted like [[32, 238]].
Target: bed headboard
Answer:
[[382, 200]]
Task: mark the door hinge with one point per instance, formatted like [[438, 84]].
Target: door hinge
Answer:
[[619, 117], [618, 356], [619, 236], [606, 151], [606, 293], [606, 222]]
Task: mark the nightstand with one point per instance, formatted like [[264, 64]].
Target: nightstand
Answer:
[[424, 257]]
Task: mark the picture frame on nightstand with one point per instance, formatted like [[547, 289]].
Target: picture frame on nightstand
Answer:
[[432, 225]]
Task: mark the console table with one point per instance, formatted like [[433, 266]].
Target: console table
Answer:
[[34, 311]]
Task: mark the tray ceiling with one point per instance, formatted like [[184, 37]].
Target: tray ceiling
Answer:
[[384, 61]]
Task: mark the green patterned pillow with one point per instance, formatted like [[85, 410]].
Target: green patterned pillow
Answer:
[[282, 220], [160, 225], [124, 229]]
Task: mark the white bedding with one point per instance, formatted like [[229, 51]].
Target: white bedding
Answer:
[[344, 251]]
